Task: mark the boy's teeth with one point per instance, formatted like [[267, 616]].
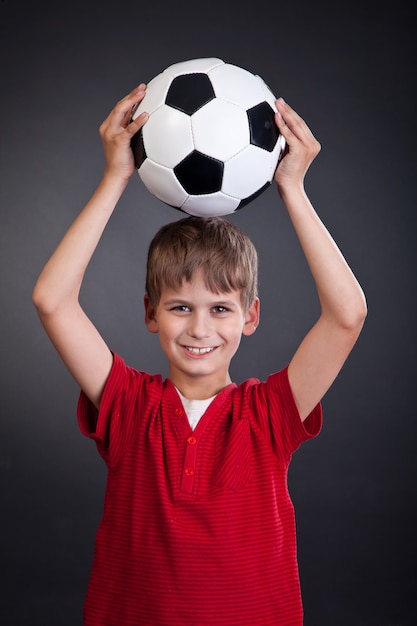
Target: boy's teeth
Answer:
[[199, 350]]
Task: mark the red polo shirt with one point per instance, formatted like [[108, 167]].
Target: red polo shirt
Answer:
[[198, 526]]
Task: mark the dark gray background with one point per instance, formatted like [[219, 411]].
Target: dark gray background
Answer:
[[348, 69]]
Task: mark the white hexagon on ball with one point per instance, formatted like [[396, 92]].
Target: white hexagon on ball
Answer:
[[193, 65], [220, 129], [236, 85], [173, 145], [256, 163], [212, 205], [162, 183], [156, 92]]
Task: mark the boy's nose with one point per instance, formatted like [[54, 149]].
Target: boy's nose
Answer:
[[200, 326]]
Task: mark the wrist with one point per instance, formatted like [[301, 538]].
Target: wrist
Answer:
[[291, 190], [110, 189], [115, 178]]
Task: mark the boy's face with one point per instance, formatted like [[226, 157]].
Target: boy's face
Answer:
[[200, 332]]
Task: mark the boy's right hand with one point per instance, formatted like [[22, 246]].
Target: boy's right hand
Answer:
[[56, 293], [116, 133]]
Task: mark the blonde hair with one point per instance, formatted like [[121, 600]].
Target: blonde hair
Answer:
[[226, 256]]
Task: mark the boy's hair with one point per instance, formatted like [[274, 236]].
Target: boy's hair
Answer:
[[226, 256]]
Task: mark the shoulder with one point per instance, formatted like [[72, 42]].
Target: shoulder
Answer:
[[125, 376], [272, 407], [276, 385], [126, 388]]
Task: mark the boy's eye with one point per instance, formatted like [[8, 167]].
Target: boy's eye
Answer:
[[220, 309], [182, 308]]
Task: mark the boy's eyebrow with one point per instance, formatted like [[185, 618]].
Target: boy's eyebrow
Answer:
[[175, 301], [226, 303]]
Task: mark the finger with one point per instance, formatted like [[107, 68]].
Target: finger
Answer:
[[120, 116], [292, 121], [137, 123], [283, 128], [123, 109], [296, 131], [139, 90]]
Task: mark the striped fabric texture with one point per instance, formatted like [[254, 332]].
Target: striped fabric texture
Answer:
[[198, 527]]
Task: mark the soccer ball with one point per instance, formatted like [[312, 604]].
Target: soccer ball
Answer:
[[210, 144]]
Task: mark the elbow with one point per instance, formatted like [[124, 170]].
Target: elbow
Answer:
[[37, 297], [355, 316], [361, 311], [42, 301], [39, 300], [348, 316], [49, 301]]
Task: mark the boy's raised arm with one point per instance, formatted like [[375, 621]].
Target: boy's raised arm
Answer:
[[56, 293], [325, 348]]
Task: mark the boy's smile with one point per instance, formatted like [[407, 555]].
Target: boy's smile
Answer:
[[199, 351], [200, 331]]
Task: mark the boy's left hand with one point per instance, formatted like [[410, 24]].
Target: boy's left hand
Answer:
[[301, 149]]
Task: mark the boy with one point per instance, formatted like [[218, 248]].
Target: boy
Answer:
[[198, 528]]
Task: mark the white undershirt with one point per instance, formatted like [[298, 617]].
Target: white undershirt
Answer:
[[194, 408]]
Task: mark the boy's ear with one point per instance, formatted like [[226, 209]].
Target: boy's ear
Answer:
[[252, 318], [150, 315]]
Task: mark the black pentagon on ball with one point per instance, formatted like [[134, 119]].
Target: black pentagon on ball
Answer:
[[263, 130], [138, 149], [189, 92], [200, 174]]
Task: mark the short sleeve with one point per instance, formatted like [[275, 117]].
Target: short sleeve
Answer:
[[122, 405], [278, 415]]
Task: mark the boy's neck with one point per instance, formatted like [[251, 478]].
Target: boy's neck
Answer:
[[199, 388]]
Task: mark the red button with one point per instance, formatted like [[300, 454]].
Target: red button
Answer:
[[192, 441], [178, 410], [189, 471]]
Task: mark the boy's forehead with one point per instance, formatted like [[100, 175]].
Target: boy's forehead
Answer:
[[196, 288]]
